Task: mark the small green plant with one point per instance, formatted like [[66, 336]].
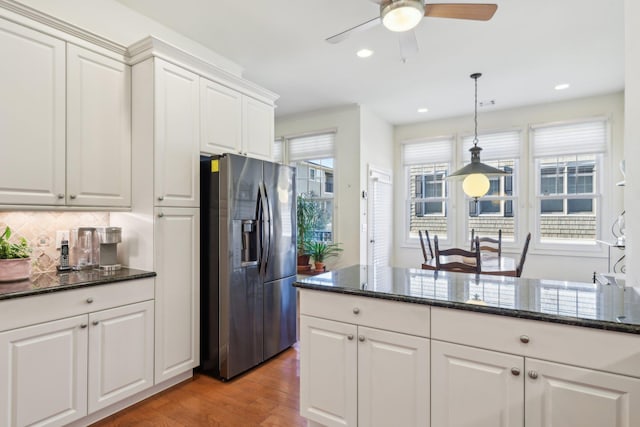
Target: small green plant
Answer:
[[307, 219], [10, 250], [321, 250]]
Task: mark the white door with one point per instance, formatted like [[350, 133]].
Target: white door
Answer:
[[380, 205], [44, 373], [560, 395], [177, 136], [32, 117], [471, 387], [393, 379], [98, 130], [177, 311], [120, 353], [328, 372], [220, 118], [258, 128]]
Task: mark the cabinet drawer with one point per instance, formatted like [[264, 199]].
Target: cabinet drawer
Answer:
[[591, 348], [402, 317], [18, 312]]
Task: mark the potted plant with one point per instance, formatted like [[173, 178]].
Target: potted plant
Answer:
[[307, 216], [15, 261], [321, 251]]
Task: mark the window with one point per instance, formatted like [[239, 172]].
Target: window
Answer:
[[426, 165], [497, 209], [568, 164], [313, 158]]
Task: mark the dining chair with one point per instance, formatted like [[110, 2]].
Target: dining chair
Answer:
[[428, 256], [455, 264], [488, 244], [518, 271]]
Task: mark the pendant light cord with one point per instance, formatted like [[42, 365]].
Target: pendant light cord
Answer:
[[475, 113]]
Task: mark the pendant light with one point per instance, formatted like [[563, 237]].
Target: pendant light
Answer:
[[476, 181]]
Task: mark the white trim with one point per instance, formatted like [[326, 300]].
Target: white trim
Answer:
[[308, 133]]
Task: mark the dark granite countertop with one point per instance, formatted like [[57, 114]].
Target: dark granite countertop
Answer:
[[41, 283], [608, 307]]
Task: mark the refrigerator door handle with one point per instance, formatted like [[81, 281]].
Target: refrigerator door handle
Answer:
[[265, 238], [270, 223]]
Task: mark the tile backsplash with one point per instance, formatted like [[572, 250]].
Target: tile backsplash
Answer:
[[39, 228]]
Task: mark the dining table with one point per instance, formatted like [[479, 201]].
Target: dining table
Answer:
[[490, 262]]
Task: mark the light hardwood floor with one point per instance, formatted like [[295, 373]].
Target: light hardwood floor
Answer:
[[266, 396]]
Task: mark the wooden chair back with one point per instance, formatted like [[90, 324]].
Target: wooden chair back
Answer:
[[523, 256], [458, 266], [488, 244], [424, 247]]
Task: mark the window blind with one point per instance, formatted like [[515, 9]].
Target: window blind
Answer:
[[426, 152], [577, 138], [495, 146], [312, 147], [277, 151]]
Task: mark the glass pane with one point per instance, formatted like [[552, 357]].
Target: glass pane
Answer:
[[551, 206], [314, 183], [579, 206], [427, 182], [488, 226]]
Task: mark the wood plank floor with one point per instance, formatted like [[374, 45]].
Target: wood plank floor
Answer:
[[266, 396]]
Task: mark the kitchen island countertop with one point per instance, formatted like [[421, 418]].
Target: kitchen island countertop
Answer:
[[41, 283], [607, 307]]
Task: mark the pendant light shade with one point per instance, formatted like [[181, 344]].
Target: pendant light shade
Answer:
[[476, 182]]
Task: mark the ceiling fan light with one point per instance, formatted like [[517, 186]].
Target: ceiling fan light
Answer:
[[401, 15]]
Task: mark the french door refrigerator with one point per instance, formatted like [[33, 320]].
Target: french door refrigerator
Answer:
[[248, 262]]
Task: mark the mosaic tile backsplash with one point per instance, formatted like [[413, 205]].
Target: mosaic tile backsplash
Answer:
[[39, 228]]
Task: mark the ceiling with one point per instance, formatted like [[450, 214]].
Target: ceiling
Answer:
[[523, 52]]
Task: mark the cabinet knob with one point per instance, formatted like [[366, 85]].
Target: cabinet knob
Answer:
[[160, 198], [524, 339], [160, 215], [83, 325], [95, 323], [89, 300], [533, 375], [515, 371], [73, 196], [361, 338], [356, 310], [60, 196], [350, 337]]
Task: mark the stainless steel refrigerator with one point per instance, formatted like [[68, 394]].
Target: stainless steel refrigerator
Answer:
[[248, 262]]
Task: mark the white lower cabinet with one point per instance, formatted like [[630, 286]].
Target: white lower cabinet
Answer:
[[355, 375]]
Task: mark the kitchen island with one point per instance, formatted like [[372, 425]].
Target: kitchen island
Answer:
[[392, 346]]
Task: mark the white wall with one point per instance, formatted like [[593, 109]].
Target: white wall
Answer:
[[346, 122], [538, 265], [632, 138]]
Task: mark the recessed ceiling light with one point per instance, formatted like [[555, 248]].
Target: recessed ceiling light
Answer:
[[364, 53], [562, 86], [423, 110]]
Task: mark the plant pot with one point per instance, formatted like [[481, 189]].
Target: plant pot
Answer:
[[319, 266], [12, 270], [303, 259]]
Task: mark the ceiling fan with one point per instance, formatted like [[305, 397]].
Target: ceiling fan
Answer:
[[402, 16]]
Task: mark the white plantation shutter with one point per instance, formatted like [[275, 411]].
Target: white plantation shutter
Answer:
[[381, 233], [277, 151], [312, 147], [427, 151], [577, 138], [495, 146]]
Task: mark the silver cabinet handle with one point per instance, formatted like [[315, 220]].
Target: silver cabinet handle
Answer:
[[350, 337], [524, 339], [361, 338], [533, 375], [160, 215], [160, 198], [89, 300], [95, 323], [60, 196], [356, 310], [83, 325], [73, 196], [515, 371]]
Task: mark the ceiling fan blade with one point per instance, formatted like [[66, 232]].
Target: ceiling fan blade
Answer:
[[345, 34], [408, 44], [476, 12]]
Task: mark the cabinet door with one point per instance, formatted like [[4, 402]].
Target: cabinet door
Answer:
[[177, 147], [258, 128], [328, 372], [393, 379], [474, 387], [177, 262], [561, 395], [32, 117], [120, 353], [98, 130], [220, 118], [45, 367]]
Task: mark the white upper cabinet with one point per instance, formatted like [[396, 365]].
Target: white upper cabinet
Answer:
[[32, 117], [232, 122], [176, 142], [98, 130]]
